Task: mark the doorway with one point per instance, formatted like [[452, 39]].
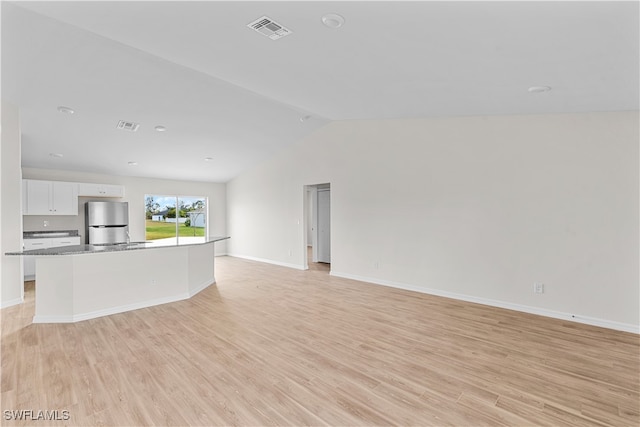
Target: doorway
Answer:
[[318, 227]]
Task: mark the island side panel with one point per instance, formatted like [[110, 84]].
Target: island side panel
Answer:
[[114, 282], [201, 267], [54, 289]]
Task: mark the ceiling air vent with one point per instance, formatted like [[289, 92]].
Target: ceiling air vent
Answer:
[[130, 126], [269, 28]]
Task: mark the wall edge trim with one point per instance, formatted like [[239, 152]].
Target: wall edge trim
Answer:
[[11, 302], [266, 261], [593, 321], [117, 309]]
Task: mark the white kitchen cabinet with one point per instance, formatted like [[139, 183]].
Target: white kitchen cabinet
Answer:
[[50, 197], [64, 241], [45, 243], [38, 197], [30, 244], [100, 190]]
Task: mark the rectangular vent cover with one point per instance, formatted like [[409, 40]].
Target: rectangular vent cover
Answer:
[[130, 126], [269, 28]]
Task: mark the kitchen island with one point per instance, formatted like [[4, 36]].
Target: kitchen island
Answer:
[[83, 282]]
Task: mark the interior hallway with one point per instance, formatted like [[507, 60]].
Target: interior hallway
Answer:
[[316, 266]]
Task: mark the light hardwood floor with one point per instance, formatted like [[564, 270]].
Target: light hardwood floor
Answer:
[[318, 266], [269, 345]]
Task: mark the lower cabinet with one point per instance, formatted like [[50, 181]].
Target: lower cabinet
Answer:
[[29, 244]]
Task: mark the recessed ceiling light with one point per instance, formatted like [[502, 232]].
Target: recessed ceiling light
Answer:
[[539, 89], [56, 155], [333, 20], [305, 118], [160, 128], [208, 159], [133, 163], [65, 110]]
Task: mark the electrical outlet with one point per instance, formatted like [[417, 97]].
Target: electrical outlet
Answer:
[[376, 265], [538, 288], [153, 281], [46, 223]]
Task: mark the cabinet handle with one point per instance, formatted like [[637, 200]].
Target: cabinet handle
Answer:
[[37, 244]]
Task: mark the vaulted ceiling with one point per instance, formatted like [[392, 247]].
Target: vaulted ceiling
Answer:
[[230, 94]]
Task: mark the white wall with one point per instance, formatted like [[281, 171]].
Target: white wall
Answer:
[[135, 190], [11, 286], [309, 235], [478, 208]]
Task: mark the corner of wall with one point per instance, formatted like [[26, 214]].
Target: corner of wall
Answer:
[[11, 273]]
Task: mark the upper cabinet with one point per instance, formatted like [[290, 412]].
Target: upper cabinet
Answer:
[[100, 190], [50, 197], [61, 198]]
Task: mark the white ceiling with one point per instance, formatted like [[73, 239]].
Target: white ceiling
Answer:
[[227, 92]]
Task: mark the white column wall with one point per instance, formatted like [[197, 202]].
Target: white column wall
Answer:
[[11, 285], [477, 208]]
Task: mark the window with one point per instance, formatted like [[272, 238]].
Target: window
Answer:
[[175, 219]]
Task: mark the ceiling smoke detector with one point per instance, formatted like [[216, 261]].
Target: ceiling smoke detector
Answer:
[[333, 20], [268, 27], [539, 89], [65, 110], [130, 126]]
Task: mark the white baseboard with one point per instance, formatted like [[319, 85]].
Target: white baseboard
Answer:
[[53, 319], [268, 261], [201, 287], [11, 302], [120, 308], [609, 324]]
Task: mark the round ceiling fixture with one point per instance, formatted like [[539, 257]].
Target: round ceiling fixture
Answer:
[[56, 155], [65, 110], [333, 20], [132, 163], [304, 119], [539, 89], [208, 159], [160, 129]]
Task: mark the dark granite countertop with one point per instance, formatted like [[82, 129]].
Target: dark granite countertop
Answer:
[[133, 246], [49, 234]]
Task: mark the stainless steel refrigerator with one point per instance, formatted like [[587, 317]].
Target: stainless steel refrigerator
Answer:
[[107, 223]]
